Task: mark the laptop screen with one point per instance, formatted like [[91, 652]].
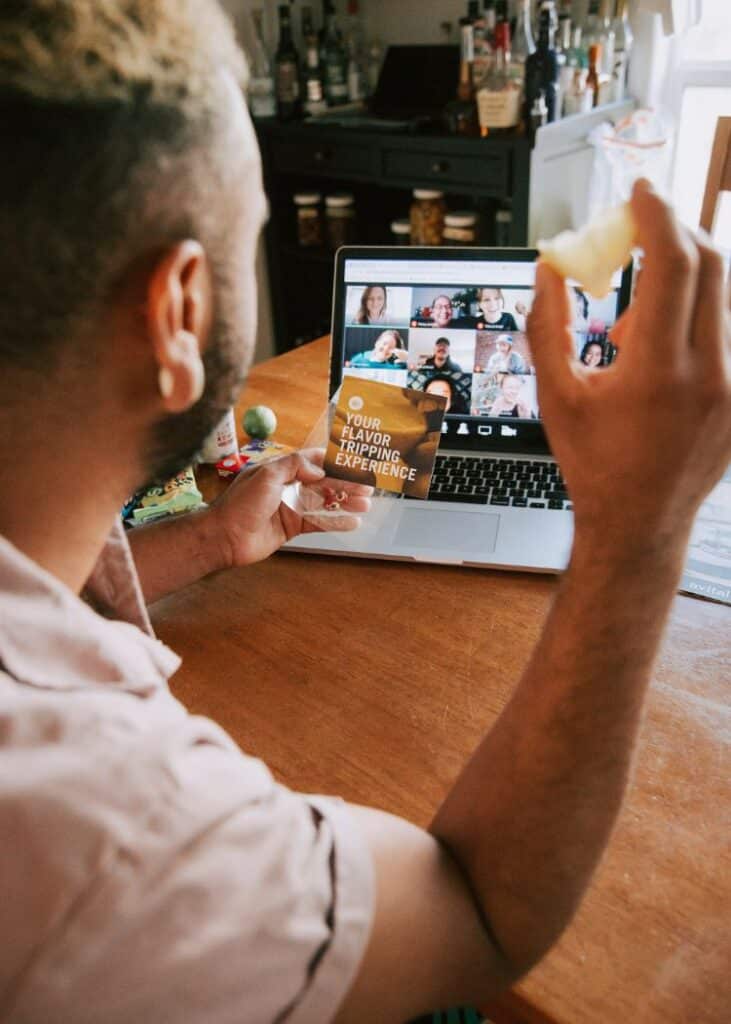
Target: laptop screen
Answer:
[[453, 321]]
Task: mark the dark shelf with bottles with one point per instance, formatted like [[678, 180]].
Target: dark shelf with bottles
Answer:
[[380, 169]]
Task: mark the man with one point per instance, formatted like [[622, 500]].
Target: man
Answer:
[[440, 358], [151, 872], [504, 359]]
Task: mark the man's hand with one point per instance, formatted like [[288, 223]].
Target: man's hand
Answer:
[[252, 520], [640, 443]]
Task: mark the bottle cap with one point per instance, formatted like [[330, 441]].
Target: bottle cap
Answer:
[[401, 227], [427, 193], [339, 199], [503, 216], [460, 219], [306, 198]]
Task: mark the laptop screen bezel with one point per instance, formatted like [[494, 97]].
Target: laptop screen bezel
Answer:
[[530, 437]]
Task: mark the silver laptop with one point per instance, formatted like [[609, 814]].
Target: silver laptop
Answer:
[[454, 322]]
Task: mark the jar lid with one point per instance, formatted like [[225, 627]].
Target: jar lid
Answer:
[[401, 227], [427, 193], [306, 198], [460, 219], [339, 199]]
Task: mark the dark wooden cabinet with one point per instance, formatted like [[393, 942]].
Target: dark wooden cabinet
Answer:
[[380, 168]]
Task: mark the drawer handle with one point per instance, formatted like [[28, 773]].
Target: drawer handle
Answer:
[[321, 155], [440, 166]]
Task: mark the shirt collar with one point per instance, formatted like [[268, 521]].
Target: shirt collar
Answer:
[[50, 638]]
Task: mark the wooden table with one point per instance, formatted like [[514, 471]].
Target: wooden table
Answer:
[[375, 680]]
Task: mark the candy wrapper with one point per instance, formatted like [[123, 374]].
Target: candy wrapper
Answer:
[[254, 453], [178, 495]]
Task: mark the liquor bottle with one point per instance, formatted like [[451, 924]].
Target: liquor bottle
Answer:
[[262, 99], [563, 48], [592, 79], [499, 97], [541, 67], [357, 77], [598, 29], [606, 8], [522, 44], [483, 33], [490, 17], [623, 40], [334, 58], [461, 113], [286, 70], [312, 89]]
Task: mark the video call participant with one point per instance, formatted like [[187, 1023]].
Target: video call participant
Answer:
[[151, 870], [387, 351], [509, 401], [492, 316], [505, 359], [592, 354], [581, 310], [441, 315], [440, 358], [372, 309], [440, 384]]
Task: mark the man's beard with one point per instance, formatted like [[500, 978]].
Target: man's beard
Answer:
[[176, 440]]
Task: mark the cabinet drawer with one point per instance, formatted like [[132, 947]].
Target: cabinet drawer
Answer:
[[336, 158], [487, 174]]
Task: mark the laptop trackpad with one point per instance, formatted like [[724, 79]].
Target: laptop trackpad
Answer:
[[457, 531]]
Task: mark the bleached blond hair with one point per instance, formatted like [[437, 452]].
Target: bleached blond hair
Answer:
[[92, 51], [112, 117]]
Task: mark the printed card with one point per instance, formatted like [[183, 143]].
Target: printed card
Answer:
[[385, 436]]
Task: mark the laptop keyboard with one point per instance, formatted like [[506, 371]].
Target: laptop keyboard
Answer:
[[483, 481]]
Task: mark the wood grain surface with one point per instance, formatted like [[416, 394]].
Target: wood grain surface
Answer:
[[375, 680]]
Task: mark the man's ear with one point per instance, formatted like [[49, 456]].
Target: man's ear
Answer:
[[178, 317]]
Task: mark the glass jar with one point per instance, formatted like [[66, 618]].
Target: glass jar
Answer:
[[503, 229], [460, 228], [426, 217], [309, 218], [401, 231], [340, 219]]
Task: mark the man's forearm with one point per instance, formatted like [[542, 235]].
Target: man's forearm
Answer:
[[175, 552], [531, 812]]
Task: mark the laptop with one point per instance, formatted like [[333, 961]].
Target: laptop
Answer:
[[496, 496], [414, 85]]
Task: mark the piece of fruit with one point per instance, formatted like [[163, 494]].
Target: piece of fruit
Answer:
[[259, 421], [592, 254]]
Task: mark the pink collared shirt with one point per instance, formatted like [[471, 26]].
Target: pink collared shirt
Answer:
[[151, 873]]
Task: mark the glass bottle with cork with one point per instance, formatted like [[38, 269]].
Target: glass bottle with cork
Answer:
[[262, 99], [499, 97], [333, 57], [541, 71], [286, 70], [623, 42], [312, 87], [461, 113], [597, 81]]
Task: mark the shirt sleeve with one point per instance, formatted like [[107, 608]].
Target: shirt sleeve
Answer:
[[197, 890]]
